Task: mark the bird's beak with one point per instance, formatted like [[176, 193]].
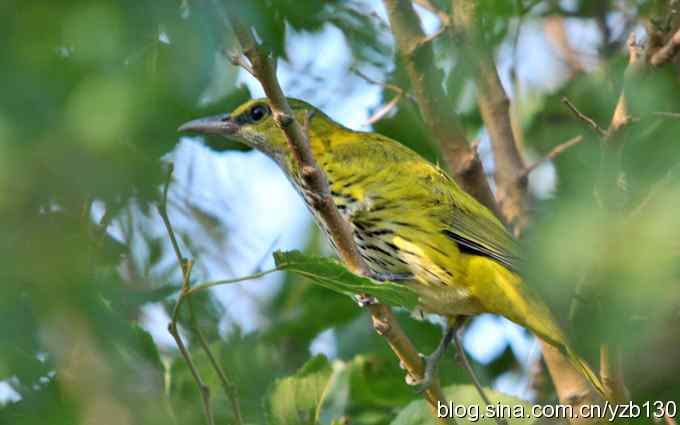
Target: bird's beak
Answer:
[[218, 124]]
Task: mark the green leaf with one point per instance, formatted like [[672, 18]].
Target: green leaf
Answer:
[[297, 400], [419, 413], [331, 274]]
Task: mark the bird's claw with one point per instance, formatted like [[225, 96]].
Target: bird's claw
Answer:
[[422, 384], [431, 363]]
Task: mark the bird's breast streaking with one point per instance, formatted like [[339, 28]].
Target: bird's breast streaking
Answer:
[[388, 228]]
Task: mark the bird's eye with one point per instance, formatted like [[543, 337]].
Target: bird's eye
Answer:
[[257, 113]]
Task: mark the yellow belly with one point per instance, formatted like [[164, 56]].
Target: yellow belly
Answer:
[[446, 300]]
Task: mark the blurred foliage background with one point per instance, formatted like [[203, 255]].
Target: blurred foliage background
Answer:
[[92, 93]]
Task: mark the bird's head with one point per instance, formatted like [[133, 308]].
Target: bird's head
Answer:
[[252, 124]]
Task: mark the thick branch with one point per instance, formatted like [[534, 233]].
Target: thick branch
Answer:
[[315, 180], [494, 106], [572, 389], [510, 173], [434, 105], [666, 53], [611, 373]]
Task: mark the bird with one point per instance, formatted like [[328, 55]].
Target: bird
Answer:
[[410, 221]]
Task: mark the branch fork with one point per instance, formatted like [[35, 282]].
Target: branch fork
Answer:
[[186, 265]]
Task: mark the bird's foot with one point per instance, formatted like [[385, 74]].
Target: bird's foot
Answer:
[[366, 300], [431, 363], [410, 379], [424, 383]]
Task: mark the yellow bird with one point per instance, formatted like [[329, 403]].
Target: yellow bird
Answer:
[[409, 219]]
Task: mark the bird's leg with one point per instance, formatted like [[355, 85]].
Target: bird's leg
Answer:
[[432, 361], [457, 327]]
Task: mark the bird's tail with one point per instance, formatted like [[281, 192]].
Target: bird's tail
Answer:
[[586, 371], [557, 340], [545, 327], [523, 308]]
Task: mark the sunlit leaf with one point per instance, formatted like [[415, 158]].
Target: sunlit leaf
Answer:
[[331, 274]]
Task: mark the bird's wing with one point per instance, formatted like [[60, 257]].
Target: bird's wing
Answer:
[[481, 237], [476, 230]]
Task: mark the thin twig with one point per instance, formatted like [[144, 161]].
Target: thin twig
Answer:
[[237, 59], [202, 387], [377, 116], [393, 87], [428, 39], [585, 118], [229, 388], [460, 350], [206, 285], [186, 265], [554, 153]]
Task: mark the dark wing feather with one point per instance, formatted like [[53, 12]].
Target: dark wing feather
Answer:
[[477, 231]]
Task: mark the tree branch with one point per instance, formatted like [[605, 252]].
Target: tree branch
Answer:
[[393, 87], [383, 319], [621, 115], [434, 105], [186, 266], [666, 53], [494, 106], [585, 118], [554, 153], [511, 187], [313, 177], [611, 373], [380, 113]]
